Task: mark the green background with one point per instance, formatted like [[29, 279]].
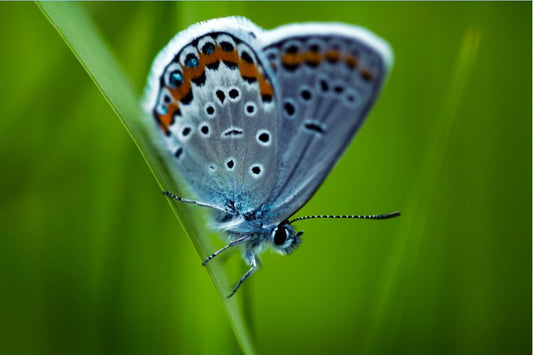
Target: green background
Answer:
[[92, 260]]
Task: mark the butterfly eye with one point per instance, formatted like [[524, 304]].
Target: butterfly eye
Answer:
[[285, 239], [280, 236]]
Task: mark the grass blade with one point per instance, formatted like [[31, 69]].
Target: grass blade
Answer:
[[77, 29], [413, 234]]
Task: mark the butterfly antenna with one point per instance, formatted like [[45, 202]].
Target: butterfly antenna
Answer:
[[374, 216], [197, 203]]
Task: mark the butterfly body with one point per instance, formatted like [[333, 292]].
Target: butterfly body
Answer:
[[254, 120]]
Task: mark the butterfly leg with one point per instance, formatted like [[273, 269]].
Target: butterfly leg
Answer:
[[253, 265], [232, 244], [197, 203]]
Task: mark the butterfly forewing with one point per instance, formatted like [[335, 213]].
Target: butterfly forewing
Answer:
[[328, 77]]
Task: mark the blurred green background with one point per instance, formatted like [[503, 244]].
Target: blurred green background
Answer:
[[92, 261]]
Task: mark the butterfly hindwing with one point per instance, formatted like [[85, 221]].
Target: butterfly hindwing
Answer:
[[216, 109], [328, 78]]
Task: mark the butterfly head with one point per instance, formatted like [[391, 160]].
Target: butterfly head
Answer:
[[284, 238]]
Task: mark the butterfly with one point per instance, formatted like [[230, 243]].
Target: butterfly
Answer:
[[254, 120]]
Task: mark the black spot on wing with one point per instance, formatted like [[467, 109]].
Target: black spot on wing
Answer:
[[264, 137], [191, 61], [226, 46], [186, 131], [233, 93], [289, 108], [187, 98], [221, 96], [208, 48], [231, 65], [246, 57], [249, 79], [233, 132], [266, 98], [199, 80], [178, 153], [324, 85], [290, 67], [293, 49], [214, 65], [315, 127], [305, 94]]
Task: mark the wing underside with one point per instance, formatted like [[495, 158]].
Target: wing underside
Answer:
[[329, 77], [215, 107]]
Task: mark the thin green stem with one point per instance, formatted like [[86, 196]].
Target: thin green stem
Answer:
[[414, 232], [81, 35]]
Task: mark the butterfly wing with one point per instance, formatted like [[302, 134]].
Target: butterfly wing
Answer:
[[328, 77], [213, 100]]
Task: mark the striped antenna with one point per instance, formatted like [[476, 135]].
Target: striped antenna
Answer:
[[375, 216]]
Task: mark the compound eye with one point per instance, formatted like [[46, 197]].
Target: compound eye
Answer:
[[280, 236]]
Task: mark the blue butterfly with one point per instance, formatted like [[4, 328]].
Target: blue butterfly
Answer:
[[254, 120]]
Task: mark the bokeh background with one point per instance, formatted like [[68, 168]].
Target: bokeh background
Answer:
[[92, 261]]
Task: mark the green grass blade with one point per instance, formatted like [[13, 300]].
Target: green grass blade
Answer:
[[418, 215], [76, 27]]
